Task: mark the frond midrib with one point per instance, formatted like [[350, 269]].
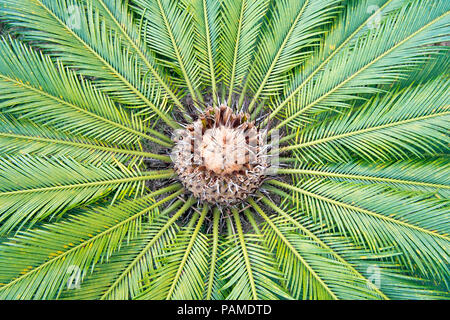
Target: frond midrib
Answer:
[[188, 251], [318, 240], [163, 174], [107, 231], [395, 46], [296, 253], [88, 146], [163, 116], [142, 55], [358, 209], [277, 56], [325, 61], [362, 131], [361, 177], [82, 110]]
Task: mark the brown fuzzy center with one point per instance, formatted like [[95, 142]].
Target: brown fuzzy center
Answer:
[[223, 150], [219, 156]]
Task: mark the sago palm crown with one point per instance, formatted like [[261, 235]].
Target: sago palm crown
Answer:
[[224, 149]]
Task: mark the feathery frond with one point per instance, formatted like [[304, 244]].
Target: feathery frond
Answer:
[[86, 45], [376, 218], [33, 188], [249, 273], [206, 23], [241, 22], [394, 126], [168, 30], [431, 175], [42, 257], [289, 36], [381, 56]]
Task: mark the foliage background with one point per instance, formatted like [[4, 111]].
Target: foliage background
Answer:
[[86, 189]]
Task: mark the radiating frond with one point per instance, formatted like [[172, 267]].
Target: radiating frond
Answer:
[[121, 276], [381, 56], [214, 283], [34, 188], [35, 263], [355, 20], [83, 42], [33, 88], [168, 30], [119, 18], [376, 217], [354, 261], [28, 138], [93, 94], [430, 176], [248, 271], [206, 17], [301, 258], [411, 123], [294, 27], [240, 27]]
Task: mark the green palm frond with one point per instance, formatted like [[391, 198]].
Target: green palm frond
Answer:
[[89, 47], [214, 282], [288, 37], [383, 218], [353, 262], [184, 265], [28, 138], [206, 22], [381, 56], [307, 260], [430, 70], [121, 276], [388, 127], [117, 14], [168, 30], [430, 175], [249, 268], [39, 87], [34, 188], [238, 39], [98, 99], [81, 240], [354, 22]]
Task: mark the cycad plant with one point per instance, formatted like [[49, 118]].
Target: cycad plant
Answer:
[[139, 158]]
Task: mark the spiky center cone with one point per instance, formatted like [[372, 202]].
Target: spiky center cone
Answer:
[[219, 157]]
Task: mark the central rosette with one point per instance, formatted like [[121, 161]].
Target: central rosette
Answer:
[[221, 157], [220, 150]]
